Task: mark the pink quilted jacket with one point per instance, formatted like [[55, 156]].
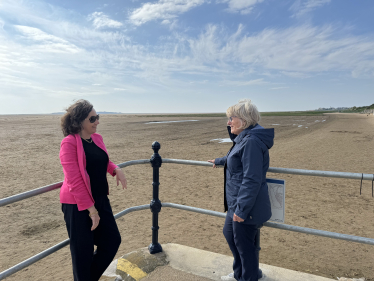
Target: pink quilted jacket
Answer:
[[76, 188]]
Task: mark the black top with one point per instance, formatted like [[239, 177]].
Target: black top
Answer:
[[96, 166]]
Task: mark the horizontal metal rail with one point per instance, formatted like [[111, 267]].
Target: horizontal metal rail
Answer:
[[40, 190], [130, 210], [58, 246], [329, 174], [133, 162], [188, 162], [33, 259], [316, 173], [30, 193], [306, 230], [334, 235]]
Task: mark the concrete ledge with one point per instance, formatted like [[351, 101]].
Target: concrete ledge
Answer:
[[138, 264], [213, 265]]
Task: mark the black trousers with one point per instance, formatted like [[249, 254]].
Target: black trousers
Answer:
[[87, 264], [241, 240]]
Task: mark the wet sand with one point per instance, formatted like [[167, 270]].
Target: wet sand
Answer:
[[343, 142]]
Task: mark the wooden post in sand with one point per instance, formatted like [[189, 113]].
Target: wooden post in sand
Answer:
[[155, 205]]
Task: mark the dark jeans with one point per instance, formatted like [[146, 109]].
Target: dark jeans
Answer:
[[87, 264], [241, 240]]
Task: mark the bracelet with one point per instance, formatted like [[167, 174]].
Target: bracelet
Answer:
[[93, 213]]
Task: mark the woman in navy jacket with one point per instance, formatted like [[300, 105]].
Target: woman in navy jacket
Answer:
[[246, 192]]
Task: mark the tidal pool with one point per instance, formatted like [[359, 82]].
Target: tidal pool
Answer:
[[222, 140], [159, 122]]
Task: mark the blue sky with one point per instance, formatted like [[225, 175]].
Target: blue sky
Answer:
[[185, 55]]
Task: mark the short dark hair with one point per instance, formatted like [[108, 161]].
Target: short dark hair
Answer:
[[71, 122]]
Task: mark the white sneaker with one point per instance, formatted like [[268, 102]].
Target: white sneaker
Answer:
[[229, 277]]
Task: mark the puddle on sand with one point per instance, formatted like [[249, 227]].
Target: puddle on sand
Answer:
[[159, 122], [222, 140]]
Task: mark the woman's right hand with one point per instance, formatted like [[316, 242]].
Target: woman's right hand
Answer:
[[212, 161], [94, 215]]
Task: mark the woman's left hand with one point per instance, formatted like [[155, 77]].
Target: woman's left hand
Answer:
[[212, 161], [236, 218], [121, 178]]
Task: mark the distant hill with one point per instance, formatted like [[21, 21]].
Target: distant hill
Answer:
[[108, 112], [99, 112], [359, 108]]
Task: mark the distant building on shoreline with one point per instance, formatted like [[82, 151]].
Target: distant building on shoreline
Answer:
[[332, 108], [354, 109]]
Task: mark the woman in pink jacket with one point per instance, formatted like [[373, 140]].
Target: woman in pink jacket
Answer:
[[85, 204]]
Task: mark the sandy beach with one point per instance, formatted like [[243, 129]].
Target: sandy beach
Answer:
[[29, 158]]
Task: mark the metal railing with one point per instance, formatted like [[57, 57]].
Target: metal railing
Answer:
[[53, 186], [58, 246], [156, 205], [301, 172]]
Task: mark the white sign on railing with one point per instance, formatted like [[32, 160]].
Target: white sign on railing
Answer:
[[277, 195]]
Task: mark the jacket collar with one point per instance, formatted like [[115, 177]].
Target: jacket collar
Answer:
[[246, 131]]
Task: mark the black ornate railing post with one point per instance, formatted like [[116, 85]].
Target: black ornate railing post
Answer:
[[155, 205], [258, 248]]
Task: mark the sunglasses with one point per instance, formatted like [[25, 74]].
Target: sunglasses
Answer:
[[93, 119]]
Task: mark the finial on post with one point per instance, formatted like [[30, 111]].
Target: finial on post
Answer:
[[156, 146], [156, 160]]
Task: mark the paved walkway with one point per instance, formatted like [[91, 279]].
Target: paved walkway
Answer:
[[189, 264]]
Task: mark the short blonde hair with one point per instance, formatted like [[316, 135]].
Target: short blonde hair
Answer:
[[246, 111]]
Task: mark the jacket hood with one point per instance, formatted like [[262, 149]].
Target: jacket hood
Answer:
[[265, 135]]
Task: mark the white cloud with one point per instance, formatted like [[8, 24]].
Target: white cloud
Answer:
[[69, 58], [100, 20], [242, 6], [45, 41], [259, 81], [206, 47], [162, 10], [295, 74], [279, 88], [295, 51], [166, 22], [302, 7]]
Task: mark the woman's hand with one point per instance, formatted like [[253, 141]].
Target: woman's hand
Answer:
[[94, 215], [236, 218], [212, 161], [121, 178]]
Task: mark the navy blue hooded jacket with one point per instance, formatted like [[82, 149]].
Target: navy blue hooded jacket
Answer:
[[246, 164]]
